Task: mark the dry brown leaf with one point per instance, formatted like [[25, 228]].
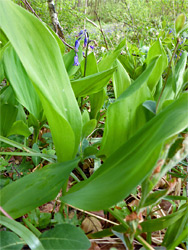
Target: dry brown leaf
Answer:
[[46, 208], [91, 225], [132, 216], [94, 246]]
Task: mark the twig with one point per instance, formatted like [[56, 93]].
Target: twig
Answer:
[[94, 215], [5, 213], [32, 10], [168, 72], [101, 30], [92, 23]]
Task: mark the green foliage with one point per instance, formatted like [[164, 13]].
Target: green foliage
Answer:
[[112, 124]]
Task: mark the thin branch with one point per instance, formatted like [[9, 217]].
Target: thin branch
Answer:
[[94, 215], [101, 30], [28, 6]]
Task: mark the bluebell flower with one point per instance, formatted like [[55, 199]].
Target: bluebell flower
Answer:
[[180, 53], [83, 53], [80, 33], [181, 42], [76, 62], [85, 41], [92, 47], [77, 44], [170, 32]]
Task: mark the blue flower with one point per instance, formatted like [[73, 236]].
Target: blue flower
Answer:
[[180, 53], [85, 41], [76, 62], [170, 32], [92, 47], [80, 33], [77, 44]]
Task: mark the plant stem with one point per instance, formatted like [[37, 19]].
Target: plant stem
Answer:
[[5, 213], [81, 173], [144, 243], [168, 72], [126, 226]]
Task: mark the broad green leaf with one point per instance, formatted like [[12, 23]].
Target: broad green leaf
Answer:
[[30, 152], [126, 115], [96, 102], [10, 241], [35, 189], [182, 237], [128, 65], [58, 39], [97, 99], [65, 236], [131, 163], [179, 72], [107, 62], [8, 114], [174, 231], [156, 50], [21, 83], [174, 83], [69, 61], [85, 117], [179, 23], [121, 79], [91, 66], [29, 238], [154, 197], [19, 128], [92, 84], [163, 222], [88, 127], [41, 57]]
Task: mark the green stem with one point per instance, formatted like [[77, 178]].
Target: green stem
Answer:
[[81, 173], [32, 228], [126, 226], [168, 72]]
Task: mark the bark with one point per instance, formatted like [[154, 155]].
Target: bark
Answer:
[[57, 27]]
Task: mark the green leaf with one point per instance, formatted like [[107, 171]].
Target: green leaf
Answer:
[[92, 84], [8, 114], [97, 101], [88, 127], [41, 57], [131, 163], [107, 62], [156, 50], [21, 83], [179, 72], [91, 67], [173, 232], [126, 115], [65, 236], [19, 128], [32, 241], [69, 61], [30, 152], [179, 23], [182, 237], [154, 197], [121, 79], [163, 222], [10, 241], [35, 189]]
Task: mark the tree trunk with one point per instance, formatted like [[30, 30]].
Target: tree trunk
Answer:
[[57, 27]]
